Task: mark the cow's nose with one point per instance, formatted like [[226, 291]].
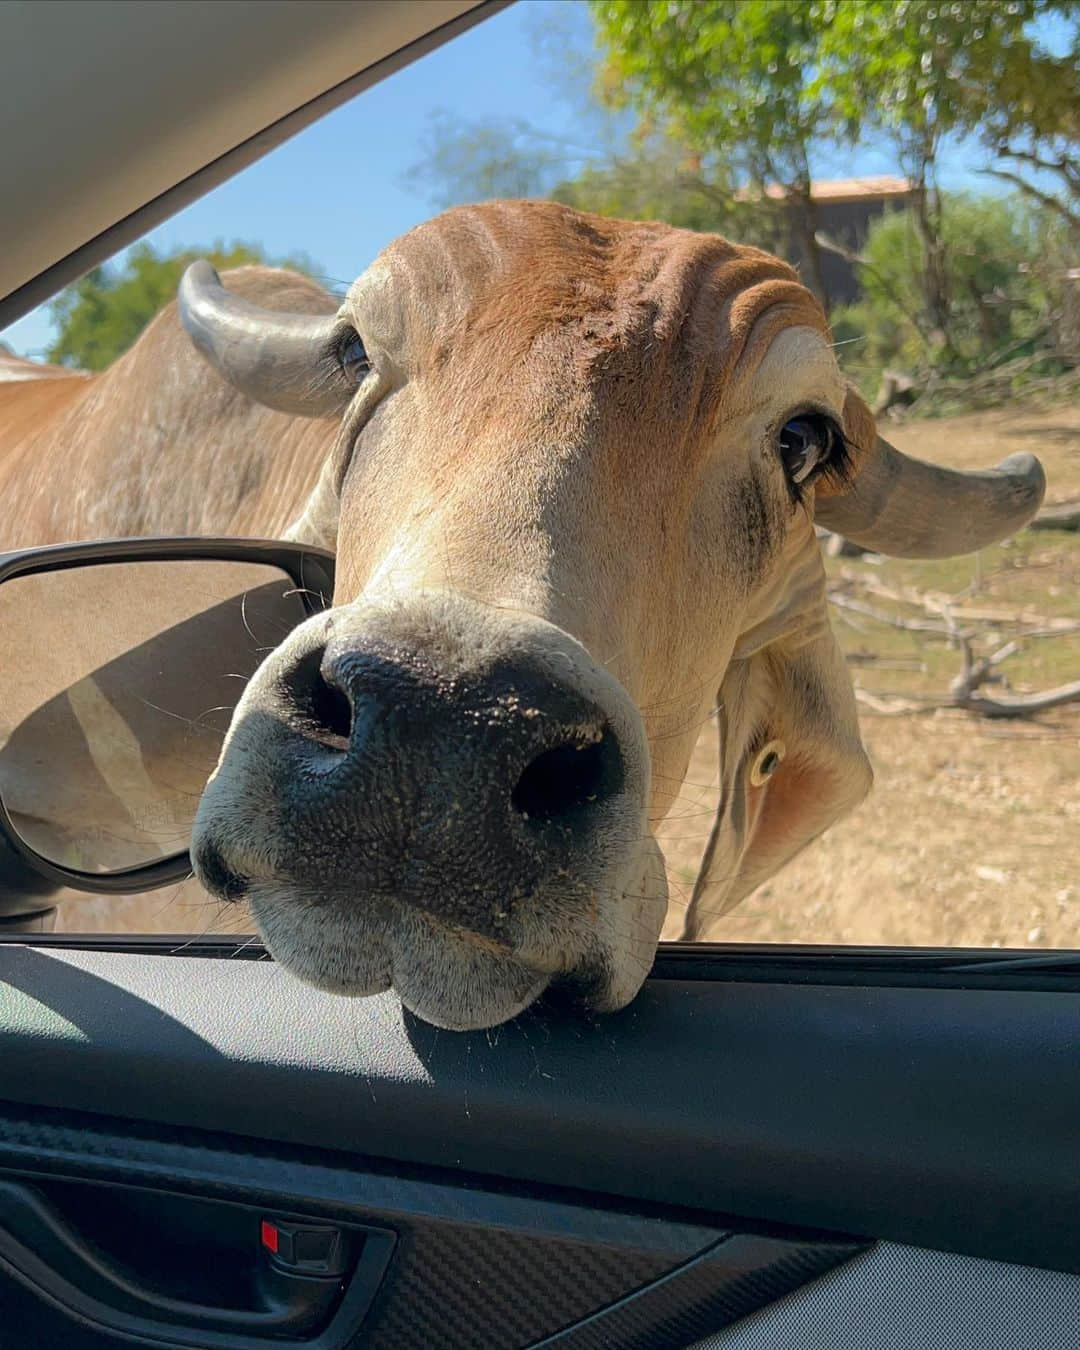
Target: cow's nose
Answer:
[[512, 741], [459, 792]]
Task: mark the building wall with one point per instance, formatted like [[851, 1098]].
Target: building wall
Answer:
[[848, 222]]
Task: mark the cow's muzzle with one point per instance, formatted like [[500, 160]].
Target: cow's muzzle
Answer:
[[433, 768]]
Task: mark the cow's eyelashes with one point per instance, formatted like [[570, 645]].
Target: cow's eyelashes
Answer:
[[809, 444], [353, 358]]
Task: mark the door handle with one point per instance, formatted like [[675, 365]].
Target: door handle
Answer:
[[286, 1297]]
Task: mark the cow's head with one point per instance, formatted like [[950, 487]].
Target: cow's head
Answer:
[[573, 501]]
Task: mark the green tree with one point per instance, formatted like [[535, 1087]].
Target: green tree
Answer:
[[1000, 306], [730, 77], [99, 316], [655, 178], [1029, 116], [920, 71], [660, 179], [1030, 122]]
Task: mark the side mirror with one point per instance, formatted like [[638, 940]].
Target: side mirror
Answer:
[[120, 666]]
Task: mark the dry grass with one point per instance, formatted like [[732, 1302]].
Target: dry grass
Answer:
[[971, 835]]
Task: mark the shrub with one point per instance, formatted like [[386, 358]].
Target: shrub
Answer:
[[1002, 291]]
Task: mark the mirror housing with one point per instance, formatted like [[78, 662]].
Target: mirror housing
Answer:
[[77, 738]]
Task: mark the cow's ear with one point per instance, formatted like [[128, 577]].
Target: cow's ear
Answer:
[[784, 780]]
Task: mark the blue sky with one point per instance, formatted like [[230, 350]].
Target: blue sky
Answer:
[[335, 192]]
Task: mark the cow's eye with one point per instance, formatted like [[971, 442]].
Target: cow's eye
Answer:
[[808, 443], [353, 359]]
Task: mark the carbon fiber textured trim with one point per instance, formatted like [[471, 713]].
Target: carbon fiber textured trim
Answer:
[[904, 1298], [489, 1289], [722, 1285]]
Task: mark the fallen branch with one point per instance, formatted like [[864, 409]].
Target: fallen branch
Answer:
[[981, 614], [964, 690], [1033, 625], [1013, 706], [1021, 705], [893, 620], [977, 673], [892, 705]]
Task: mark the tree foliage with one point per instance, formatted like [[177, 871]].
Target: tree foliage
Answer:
[[658, 178], [730, 76], [1003, 302], [733, 96], [923, 70], [1029, 118], [654, 178], [99, 316], [759, 84], [917, 68]]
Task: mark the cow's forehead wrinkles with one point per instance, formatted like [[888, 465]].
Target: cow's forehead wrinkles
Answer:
[[496, 277]]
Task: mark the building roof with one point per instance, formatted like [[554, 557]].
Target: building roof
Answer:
[[845, 189]]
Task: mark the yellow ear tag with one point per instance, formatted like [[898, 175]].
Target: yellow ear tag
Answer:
[[767, 761]]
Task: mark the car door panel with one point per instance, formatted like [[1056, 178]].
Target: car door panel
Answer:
[[619, 1161], [475, 1261], [904, 1298], [887, 1112]]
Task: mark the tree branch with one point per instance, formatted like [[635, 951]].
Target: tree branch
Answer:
[[1019, 705], [1063, 166], [857, 260], [1045, 198], [963, 690], [893, 620]]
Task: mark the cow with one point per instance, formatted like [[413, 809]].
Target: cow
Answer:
[[571, 469]]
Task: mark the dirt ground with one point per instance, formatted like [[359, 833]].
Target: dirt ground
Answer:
[[971, 835]]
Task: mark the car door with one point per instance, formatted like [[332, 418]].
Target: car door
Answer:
[[772, 1146], [810, 1148]]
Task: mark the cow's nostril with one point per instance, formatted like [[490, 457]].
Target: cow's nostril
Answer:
[[568, 779], [216, 875], [324, 711], [331, 709]]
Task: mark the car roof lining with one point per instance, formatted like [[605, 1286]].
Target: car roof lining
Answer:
[[105, 152]]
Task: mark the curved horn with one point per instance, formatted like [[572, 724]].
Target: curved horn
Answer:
[[910, 509], [285, 361]]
